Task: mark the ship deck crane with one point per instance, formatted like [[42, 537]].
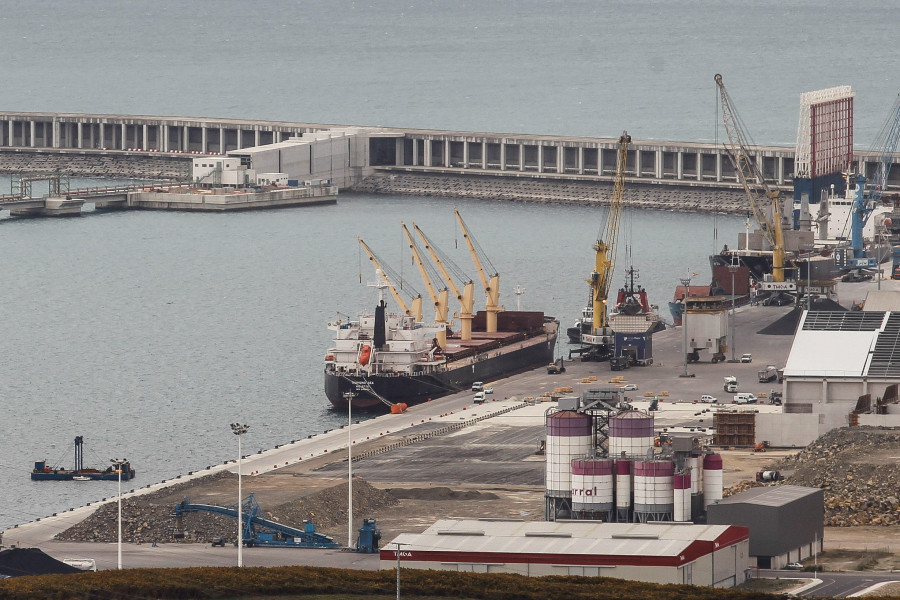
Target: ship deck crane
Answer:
[[758, 191], [438, 297], [466, 297], [391, 276], [491, 283]]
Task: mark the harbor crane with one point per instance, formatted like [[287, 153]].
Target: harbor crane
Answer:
[[466, 297], [758, 191], [391, 276], [868, 194], [439, 298], [601, 336], [491, 283]]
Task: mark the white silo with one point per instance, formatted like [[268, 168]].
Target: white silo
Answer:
[[592, 488], [653, 490], [712, 479], [682, 495], [569, 436], [631, 433], [623, 490]]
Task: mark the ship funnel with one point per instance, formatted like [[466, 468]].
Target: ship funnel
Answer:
[[379, 335]]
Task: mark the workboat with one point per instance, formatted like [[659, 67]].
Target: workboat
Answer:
[[582, 326], [381, 359], [44, 472]]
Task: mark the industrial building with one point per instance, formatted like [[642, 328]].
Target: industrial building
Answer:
[[786, 522], [711, 555], [603, 464], [836, 358]]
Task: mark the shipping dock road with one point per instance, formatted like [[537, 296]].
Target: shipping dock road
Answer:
[[454, 442]]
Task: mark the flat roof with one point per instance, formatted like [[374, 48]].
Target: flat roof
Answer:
[[778, 495]]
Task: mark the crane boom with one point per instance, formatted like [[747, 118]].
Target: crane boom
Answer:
[[491, 284], [439, 298], [885, 145], [753, 182], [466, 298], [415, 310], [606, 245]]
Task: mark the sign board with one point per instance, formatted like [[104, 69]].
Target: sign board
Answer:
[[777, 286]]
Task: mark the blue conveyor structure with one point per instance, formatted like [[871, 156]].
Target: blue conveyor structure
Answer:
[[251, 514]]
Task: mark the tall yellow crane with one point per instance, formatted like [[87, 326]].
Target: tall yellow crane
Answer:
[[759, 194], [491, 283], [391, 276], [439, 298], [466, 298], [605, 250]]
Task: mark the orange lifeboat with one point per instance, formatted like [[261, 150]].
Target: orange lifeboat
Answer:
[[398, 408], [364, 355]]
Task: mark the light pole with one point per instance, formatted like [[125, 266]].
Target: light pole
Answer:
[[349, 397], [686, 282], [732, 268], [119, 462], [240, 430]]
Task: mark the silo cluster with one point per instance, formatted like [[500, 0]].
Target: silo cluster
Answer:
[[634, 481]]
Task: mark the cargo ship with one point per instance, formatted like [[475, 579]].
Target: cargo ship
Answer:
[[44, 472], [381, 358]]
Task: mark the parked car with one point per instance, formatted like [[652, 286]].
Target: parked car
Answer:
[[219, 542], [793, 565], [745, 358], [477, 386], [708, 399], [628, 387]]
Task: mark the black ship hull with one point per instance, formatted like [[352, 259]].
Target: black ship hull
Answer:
[[368, 392]]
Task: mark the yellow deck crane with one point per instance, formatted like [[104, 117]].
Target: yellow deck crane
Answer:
[[759, 194], [491, 283], [393, 278], [601, 335], [439, 298], [466, 298]]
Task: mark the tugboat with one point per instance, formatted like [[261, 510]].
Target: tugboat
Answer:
[[43, 472]]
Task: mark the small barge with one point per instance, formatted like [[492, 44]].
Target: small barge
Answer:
[[43, 472]]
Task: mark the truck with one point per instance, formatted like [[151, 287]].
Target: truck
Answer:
[[617, 363], [769, 374], [730, 383]]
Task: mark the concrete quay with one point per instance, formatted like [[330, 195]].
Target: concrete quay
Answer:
[[453, 442]]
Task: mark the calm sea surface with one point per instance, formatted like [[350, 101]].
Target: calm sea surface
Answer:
[[148, 333]]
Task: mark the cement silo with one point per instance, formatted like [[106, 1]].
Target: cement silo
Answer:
[[569, 436], [630, 434], [653, 490], [592, 488], [712, 479]]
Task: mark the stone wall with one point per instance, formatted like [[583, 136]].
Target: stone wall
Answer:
[[98, 164], [515, 189]]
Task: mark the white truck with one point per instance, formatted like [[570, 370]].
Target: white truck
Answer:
[[731, 384]]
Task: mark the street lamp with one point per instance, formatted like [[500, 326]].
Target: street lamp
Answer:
[[119, 463], [686, 282], [240, 430], [732, 268], [349, 397]]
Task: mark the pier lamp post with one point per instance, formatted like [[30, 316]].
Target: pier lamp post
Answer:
[[732, 268], [349, 397], [686, 282], [239, 430], [119, 462]]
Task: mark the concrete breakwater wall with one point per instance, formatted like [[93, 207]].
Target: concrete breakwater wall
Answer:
[[641, 195], [97, 164]]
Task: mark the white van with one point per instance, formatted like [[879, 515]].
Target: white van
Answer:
[[479, 398], [745, 399]]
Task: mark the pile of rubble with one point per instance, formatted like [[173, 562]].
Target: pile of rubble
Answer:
[[150, 518], [857, 467]]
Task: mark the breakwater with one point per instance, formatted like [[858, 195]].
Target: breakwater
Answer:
[[108, 165], [559, 191]]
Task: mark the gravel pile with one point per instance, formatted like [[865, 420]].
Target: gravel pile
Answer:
[[857, 467], [150, 518]]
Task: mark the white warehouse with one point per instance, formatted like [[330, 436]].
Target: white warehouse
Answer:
[[710, 555]]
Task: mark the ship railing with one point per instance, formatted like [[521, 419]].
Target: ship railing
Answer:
[[452, 427]]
